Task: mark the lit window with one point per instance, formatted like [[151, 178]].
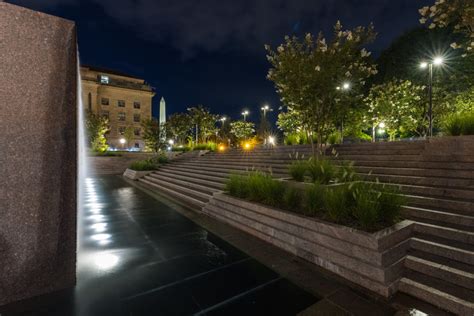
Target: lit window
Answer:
[[104, 101], [137, 145], [121, 130], [136, 131], [136, 117], [121, 103], [136, 105], [104, 79], [121, 116]]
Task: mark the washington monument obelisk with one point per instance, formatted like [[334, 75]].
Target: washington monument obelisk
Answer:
[[162, 111]]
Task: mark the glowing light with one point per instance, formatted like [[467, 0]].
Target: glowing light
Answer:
[[106, 261], [96, 217], [122, 141], [382, 125], [381, 131], [265, 107], [100, 236], [99, 227], [346, 85], [271, 140], [438, 60], [171, 142], [223, 119], [423, 65], [245, 113], [247, 146], [221, 147], [338, 88], [104, 242]]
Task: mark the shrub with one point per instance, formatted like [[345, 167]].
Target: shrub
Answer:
[[206, 146], [292, 199], [365, 208], [143, 165], [314, 199], [346, 173], [460, 124], [297, 170], [321, 170], [263, 188], [182, 148], [391, 202], [336, 203], [237, 186]]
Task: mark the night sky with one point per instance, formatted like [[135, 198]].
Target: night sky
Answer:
[[211, 52]]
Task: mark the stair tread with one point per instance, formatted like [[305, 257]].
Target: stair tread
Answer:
[[444, 241], [204, 197], [174, 193], [442, 260]]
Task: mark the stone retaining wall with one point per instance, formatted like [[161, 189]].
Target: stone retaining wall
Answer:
[[374, 261]]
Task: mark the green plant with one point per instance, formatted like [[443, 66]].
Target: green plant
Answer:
[[181, 148], [391, 201], [292, 199], [237, 186], [346, 173], [365, 208], [206, 146], [336, 203], [314, 199], [298, 169], [321, 170], [143, 165], [460, 124]]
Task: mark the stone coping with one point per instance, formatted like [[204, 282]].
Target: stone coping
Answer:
[[373, 260], [135, 175]]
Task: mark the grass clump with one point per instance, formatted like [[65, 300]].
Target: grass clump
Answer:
[[143, 165], [211, 146], [460, 124], [321, 170], [298, 169], [365, 205]]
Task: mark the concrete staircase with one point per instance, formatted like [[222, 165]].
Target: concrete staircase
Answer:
[[437, 177]]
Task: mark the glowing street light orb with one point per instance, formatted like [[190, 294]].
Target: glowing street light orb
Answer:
[[271, 140], [221, 147], [423, 65], [346, 85], [122, 141], [247, 146], [381, 131], [171, 142], [382, 125], [438, 60]]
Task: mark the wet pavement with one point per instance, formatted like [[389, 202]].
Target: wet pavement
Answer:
[[139, 256]]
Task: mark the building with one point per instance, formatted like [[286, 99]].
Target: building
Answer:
[[125, 100]]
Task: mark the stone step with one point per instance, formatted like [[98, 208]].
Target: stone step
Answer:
[[443, 250], [375, 151], [437, 192], [420, 158], [456, 234], [411, 164], [187, 200], [201, 176], [195, 171], [195, 194], [188, 183], [439, 293], [441, 268], [206, 183], [421, 172], [462, 184], [217, 172], [231, 166], [445, 205], [443, 217]]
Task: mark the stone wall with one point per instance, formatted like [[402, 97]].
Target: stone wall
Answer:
[[38, 83], [373, 261]]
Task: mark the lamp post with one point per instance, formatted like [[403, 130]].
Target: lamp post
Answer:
[[266, 108], [345, 86], [437, 61], [245, 113]]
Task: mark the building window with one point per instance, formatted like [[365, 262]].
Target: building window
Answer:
[[105, 114], [136, 104], [136, 117], [136, 131], [137, 145], [121, 103], [89, 101], [121, 116], [104, 79], [104, 101], [121, 130]]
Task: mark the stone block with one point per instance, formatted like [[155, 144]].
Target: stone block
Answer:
[[38, 89]]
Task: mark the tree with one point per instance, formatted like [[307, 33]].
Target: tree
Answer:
[[154, 134], [205, 121], [306, 74], [179, 126], [242, 129], [399, 106], [129, 135], [97, 126], [290, 122], [458, 14]]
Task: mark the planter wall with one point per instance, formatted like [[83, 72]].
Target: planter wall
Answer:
[[135, 175], [374, 261]]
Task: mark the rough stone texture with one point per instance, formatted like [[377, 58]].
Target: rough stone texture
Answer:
[[38, 83], [374, 261]]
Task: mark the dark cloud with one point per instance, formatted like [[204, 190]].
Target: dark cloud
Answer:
[[243, 25]]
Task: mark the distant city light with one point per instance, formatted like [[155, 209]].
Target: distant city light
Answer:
[[346, 85], [382, 125], [247, 146], [122, 141], [423, 65], [271, 140], [221, 147], [171, 142], [381, 131]]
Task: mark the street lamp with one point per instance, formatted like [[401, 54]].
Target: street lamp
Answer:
[[346, 86], [245, 113], [266, 108], [437, 61]]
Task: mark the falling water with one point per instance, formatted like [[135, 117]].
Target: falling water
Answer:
[[82, 172]]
